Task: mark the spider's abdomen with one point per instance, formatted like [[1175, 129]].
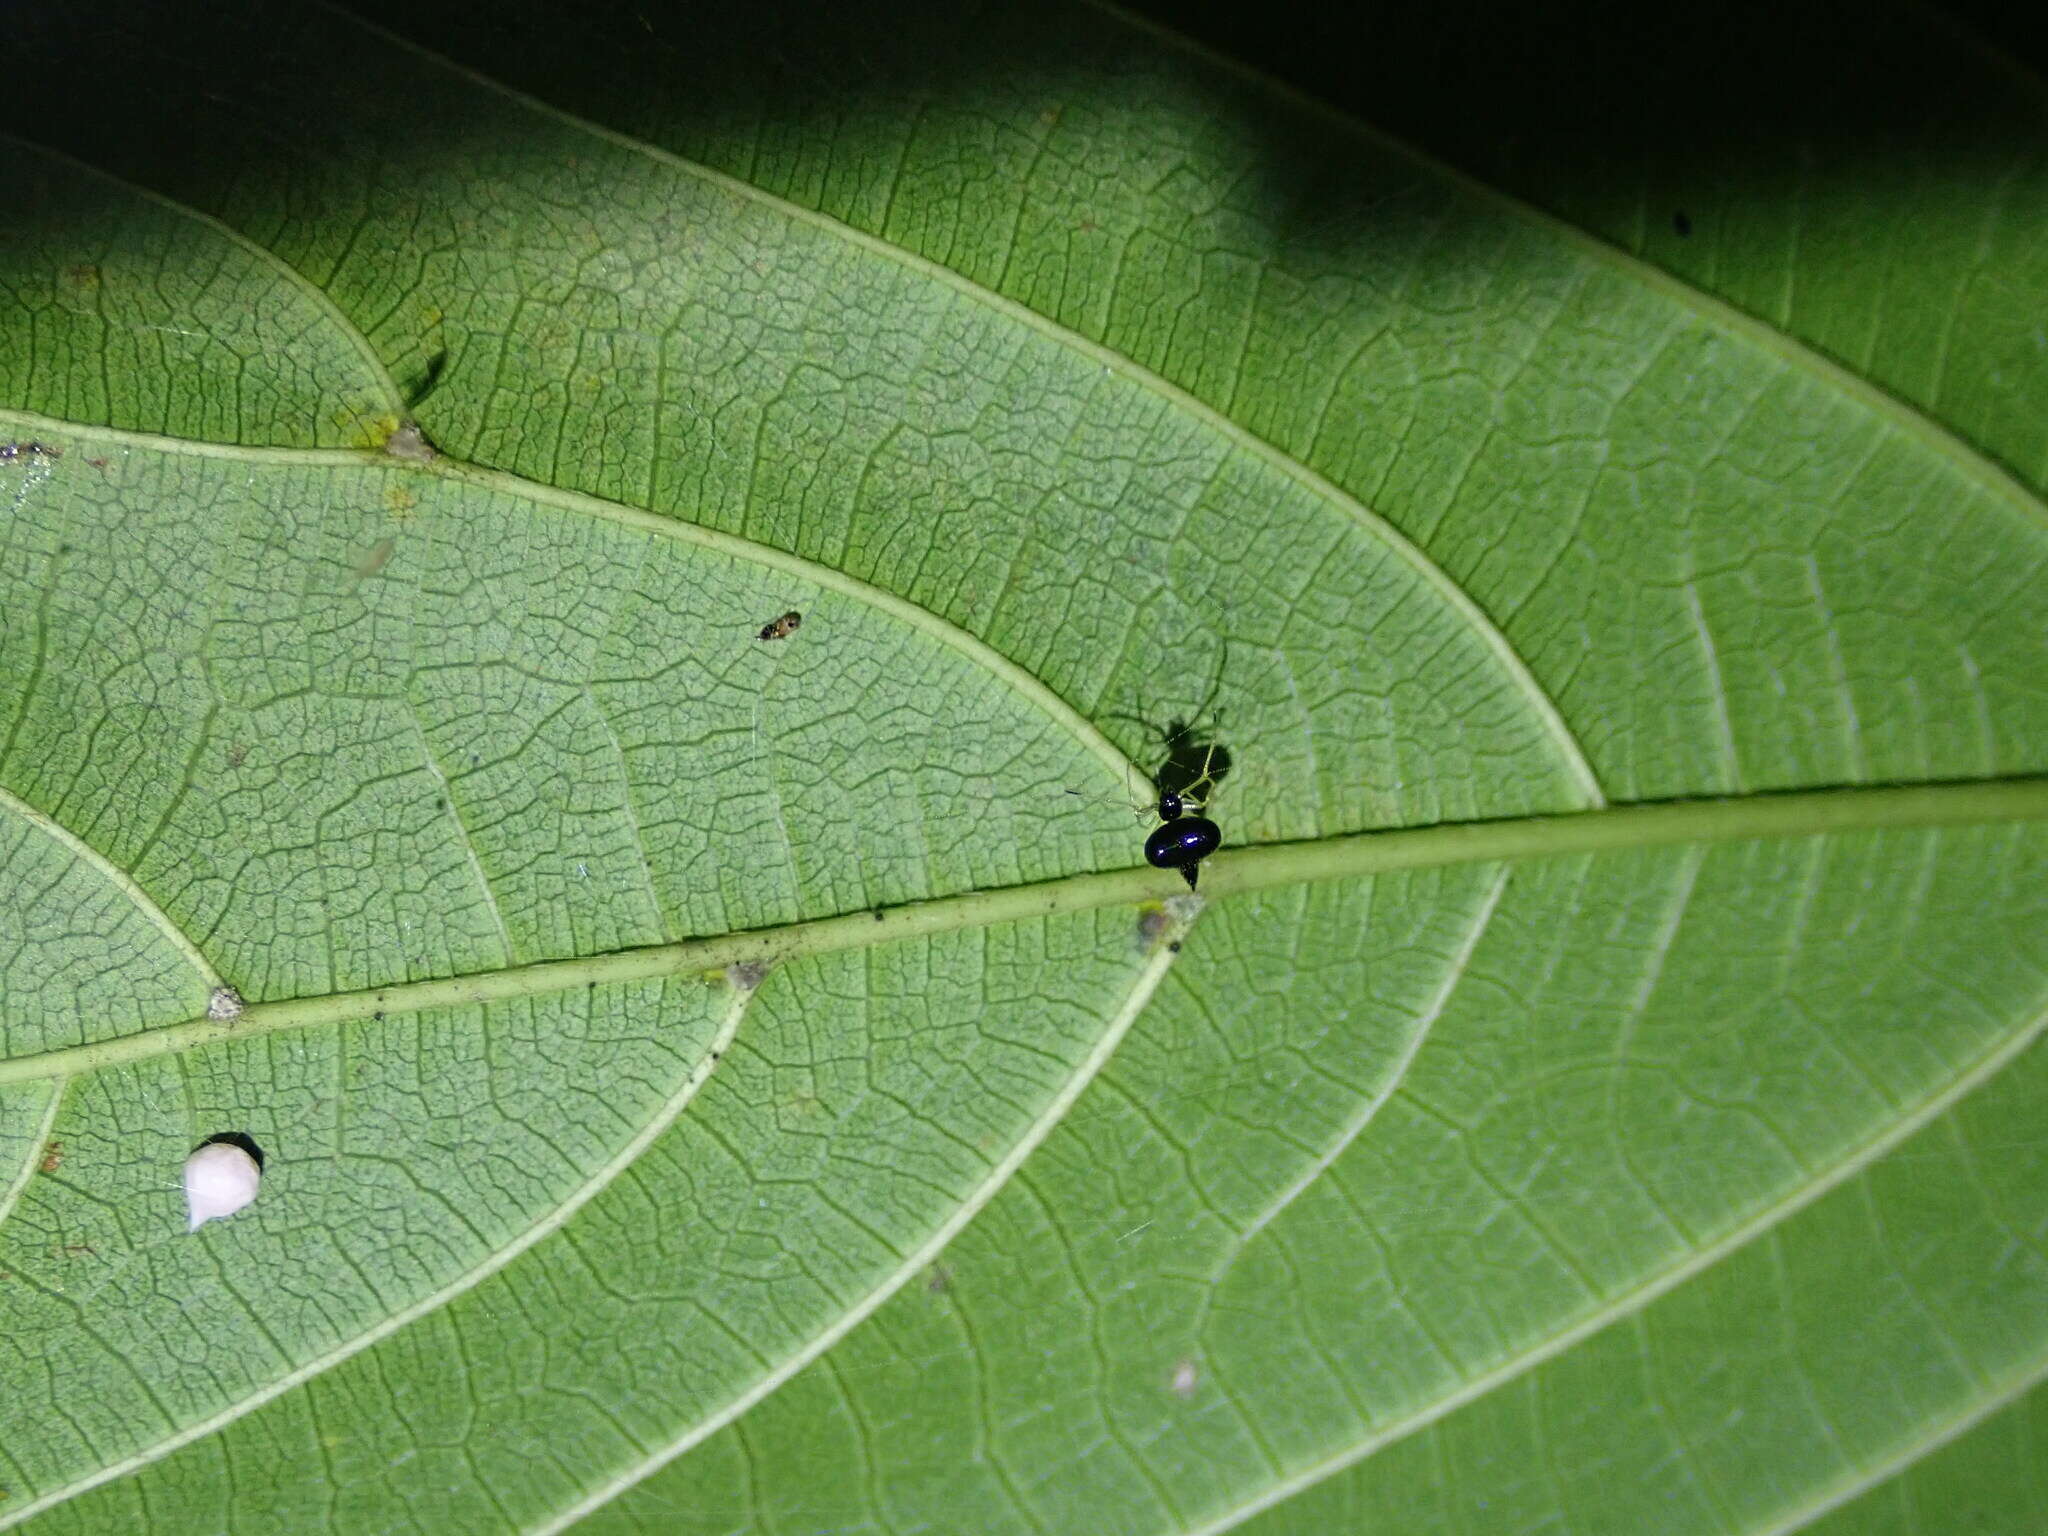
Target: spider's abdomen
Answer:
[[1182, 844]]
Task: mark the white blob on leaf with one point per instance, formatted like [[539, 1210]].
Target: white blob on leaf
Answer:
[[220, 1178]]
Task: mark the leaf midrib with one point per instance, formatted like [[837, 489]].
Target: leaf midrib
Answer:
[[1350, 856]]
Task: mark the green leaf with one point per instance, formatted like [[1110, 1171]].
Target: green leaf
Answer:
[[720, 1084]]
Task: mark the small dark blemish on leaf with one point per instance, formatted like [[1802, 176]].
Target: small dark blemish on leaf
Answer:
[[1681, 225], [878, 914], [378, 1016], [940, 1281], [1174, 947]]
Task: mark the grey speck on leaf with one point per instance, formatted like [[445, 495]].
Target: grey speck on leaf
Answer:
[[409, 443], [746, 974]]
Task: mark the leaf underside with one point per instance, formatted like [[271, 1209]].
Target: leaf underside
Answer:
[[1070, 383]]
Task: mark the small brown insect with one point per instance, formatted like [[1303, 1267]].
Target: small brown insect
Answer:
[[782, 628], [53, 1157], [9, 452]]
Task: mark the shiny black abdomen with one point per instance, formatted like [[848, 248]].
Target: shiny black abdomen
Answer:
[[1182, 844]]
